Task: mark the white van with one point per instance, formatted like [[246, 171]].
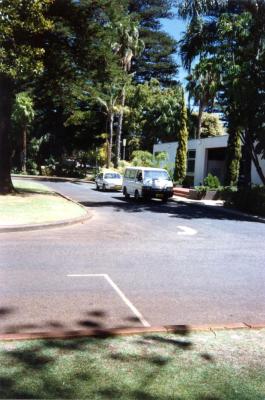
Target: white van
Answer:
[[147, 183]]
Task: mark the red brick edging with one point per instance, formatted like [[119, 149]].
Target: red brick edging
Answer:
[[104, 333]]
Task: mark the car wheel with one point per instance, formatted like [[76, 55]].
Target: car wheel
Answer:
[[136, 195], [104, 187], [126, 194], [97, 187]]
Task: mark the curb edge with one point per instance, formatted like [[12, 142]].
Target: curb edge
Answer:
[[113, 332]]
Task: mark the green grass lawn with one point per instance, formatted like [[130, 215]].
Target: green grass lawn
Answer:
[[197, 366], [35, 203]]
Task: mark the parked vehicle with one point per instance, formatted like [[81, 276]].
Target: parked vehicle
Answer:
[[108, 181], [147, 183]]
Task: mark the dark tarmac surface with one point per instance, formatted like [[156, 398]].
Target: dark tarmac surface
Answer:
[[165, 264]]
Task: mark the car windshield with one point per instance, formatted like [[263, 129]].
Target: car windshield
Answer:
[[112, 176], [156, 175]]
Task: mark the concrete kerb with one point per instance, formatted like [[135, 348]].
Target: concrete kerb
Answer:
[[116, 332], [219, 207], [49, 225]]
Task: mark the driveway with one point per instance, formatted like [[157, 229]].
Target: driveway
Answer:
[[133, 265]]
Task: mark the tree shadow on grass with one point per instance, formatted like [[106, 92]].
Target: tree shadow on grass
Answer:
[[77, 368], [143, 367]]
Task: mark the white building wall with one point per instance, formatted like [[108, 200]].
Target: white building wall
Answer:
[[201, 146], [254, 175]]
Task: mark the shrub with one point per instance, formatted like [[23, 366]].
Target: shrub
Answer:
[[69, 171], [32, 167], [250, 200], [211, 182], [227, 193], [188, 181]]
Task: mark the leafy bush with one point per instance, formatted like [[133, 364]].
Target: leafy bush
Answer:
[[32, 167], [227, 193], [69, 171], [122, 166], [211, 182], [250, 200], [142, 158], [188, 181]]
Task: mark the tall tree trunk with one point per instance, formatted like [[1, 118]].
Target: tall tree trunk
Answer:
[[5, 127], [119, 131], [111, 120], [233, 157], [253, 155], [246, 156], [199, 125], [24, 149], [181, 156]]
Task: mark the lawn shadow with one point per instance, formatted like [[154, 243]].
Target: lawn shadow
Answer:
[[108, 367], [31, 365]]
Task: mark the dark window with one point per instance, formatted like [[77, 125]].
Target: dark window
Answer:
[[139, 176], [191, 156], [191, 166]]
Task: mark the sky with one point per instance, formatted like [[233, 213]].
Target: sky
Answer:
[[175, 27]]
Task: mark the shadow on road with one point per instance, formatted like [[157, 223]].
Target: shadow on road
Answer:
[[172, 208]]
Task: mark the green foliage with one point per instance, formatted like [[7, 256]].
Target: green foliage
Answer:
[[210, 125], [146, 159], [226, 193], [233, 158], [23, 110], [211, 182], [154, 114], [250, 200], [188, 181], [22, 25], [230, 37], [157, 60], [181, 156], [32, 167], [142, 158]]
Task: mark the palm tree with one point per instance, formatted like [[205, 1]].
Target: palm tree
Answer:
[[129, 45], [23, 115], [107, 96], [202, 86]]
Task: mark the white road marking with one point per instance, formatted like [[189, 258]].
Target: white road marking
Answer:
[[186, 231], [118, 291]]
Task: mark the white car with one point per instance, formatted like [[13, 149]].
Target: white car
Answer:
[[108, 181]]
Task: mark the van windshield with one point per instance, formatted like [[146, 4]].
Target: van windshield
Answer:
[[159, 175]]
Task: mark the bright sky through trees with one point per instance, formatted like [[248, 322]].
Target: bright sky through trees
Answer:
[[175, 27]]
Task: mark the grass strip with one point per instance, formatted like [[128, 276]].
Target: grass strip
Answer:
[[197, 366], [35, 203]]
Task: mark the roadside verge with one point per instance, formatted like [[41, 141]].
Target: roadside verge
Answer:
[[112, 332], [35, 207]]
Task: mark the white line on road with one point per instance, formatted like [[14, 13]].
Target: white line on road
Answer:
[[186, 231], [118, 291]]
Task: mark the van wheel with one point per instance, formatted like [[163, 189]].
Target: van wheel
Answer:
[[126, 194], [136, 195]]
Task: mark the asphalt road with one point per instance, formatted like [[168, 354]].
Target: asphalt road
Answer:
[[138, 264]]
